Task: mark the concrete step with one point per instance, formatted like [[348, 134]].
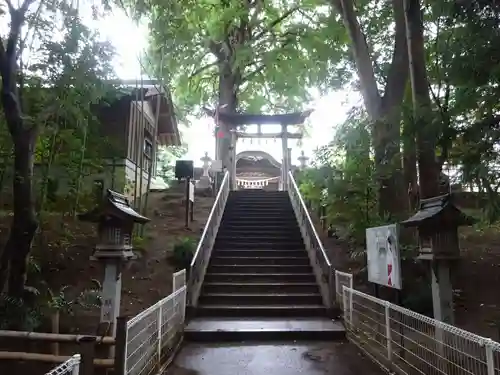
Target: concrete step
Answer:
[[255, 287], [264, 329], [302, 261], [259, 268], [278, 245], [252, 209], [260, 253], [259, 207], [260, 277], [262, 222], [256, 238], [256, 233], [263, 298], [261, 310], [289, 218], [280, 216], [251, 227], [260, 203]]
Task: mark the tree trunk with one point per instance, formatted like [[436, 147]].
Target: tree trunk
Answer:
[[228, 102], [384, 111], [24, 223], [388, 166], [426, 135], [14, 258], [409, 152]]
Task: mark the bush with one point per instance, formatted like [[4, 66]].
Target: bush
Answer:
[[183, 252]]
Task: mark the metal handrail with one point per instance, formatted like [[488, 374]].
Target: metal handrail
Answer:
[[323, 270], [203, 250], [303, 204], [210, 216]]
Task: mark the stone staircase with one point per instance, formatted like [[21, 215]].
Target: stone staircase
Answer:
[[259, 283]]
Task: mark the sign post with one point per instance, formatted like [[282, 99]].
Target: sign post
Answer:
[[184, 170], [384, 264], [191, 200]]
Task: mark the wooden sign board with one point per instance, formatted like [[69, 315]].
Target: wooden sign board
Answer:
[[216, 166]]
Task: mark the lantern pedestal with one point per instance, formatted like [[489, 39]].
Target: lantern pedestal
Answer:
[[111, 294]]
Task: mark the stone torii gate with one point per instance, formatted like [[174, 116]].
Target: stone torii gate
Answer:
[[231, 126]]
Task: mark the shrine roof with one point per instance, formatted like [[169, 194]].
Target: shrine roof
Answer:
[[294, 118], [438, 210], [116, 205]]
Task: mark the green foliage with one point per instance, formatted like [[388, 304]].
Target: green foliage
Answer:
[[183, 252], [62, 302], [344, 180], [19, 314], [166, 161], [267, 47]]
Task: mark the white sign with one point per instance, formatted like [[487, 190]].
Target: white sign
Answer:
[[191, 191], [216, 166], [382, 249]]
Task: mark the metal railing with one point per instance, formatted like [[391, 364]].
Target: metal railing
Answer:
[[323, 269], [153, 335], [71, 367], [405, 342], [204, 250], [401, 341], [342, 279]]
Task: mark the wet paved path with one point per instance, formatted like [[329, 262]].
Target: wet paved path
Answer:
[[318, 358]]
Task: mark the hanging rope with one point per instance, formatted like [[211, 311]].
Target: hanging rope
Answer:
[[255, 184]]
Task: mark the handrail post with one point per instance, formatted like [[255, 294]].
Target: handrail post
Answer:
[[87, 351], [331, 286], [160, 309], [120, 345], [76, 367], [388, 335], [490, 360]]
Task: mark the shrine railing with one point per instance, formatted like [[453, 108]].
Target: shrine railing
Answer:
[[204, 250], [324, 272]]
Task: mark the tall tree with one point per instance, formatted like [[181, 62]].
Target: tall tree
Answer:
[[383, 107], [23, 133], [248, 55], [49, 91], [425, 129]]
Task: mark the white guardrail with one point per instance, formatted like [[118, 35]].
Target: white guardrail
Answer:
[[154, 334], [405, 342], [70, 367]]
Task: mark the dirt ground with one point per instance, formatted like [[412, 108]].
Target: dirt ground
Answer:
[[476, 276], [63, 253], [64, 250], [477, 300]]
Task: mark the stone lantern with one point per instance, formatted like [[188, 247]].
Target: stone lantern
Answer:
[[115, 220], [205, 182], [437, 221], [302, 160]]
